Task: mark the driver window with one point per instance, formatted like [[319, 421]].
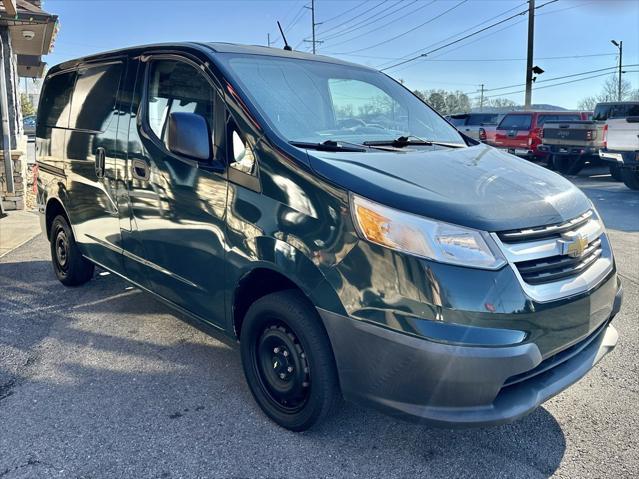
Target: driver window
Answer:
[[357, 103], [176, 86]]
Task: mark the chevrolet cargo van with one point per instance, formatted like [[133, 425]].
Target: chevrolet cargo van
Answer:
[[315, 211]]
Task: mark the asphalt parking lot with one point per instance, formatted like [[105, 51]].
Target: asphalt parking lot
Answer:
[[103, 381]]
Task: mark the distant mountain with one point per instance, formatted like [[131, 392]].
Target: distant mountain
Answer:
[[506, 109]]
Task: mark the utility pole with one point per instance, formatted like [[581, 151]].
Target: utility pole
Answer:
[[529, 56], [481, 98], [620, 56], [268, 39], [619, 45], [313, 25]]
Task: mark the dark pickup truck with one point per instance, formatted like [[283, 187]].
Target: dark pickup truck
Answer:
[[572, 144]]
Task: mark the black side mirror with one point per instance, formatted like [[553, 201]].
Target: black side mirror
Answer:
[[189, 136]]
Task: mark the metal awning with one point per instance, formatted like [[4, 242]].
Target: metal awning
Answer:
[[32, 32]]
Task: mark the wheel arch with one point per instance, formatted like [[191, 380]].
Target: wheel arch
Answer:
[[54, 208], [280, 267]]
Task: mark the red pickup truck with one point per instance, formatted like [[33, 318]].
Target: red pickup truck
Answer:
[[520, 132]]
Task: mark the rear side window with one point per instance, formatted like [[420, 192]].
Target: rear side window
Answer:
[[541, 119], [483, 119], [624, 110], [56, 100], [602, 112], [94, 97], [176, 86], [516, 122], [458, 120]]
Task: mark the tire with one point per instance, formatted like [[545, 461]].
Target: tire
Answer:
[[630, 178], [69, 266], [569, 165], [288, 360], [615, 172], [550, 162]]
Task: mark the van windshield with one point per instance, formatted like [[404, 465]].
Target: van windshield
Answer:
[[314, 101]]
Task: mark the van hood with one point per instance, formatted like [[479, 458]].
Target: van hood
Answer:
[[479, 187]]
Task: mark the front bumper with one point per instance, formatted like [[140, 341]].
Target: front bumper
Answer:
[[453, 384], [627, 159]]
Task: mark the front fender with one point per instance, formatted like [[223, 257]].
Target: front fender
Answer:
[[283, 258]]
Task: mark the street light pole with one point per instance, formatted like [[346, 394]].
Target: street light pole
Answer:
[[619, 45]]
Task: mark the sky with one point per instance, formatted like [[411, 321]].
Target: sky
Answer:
[[571, 37]]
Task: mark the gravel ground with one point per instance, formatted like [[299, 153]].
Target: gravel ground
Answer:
[[104, 381]]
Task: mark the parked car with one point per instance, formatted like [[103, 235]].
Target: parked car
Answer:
[[352, 241], [29, 124], [520, 132], [621, 145], [573, 144], [472, 124]]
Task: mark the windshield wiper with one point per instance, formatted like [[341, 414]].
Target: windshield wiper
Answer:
[[403, 141], [328, 145]]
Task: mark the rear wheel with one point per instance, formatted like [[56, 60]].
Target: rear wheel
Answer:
[[615, 172], [70, 267], [288, 360], [569, 165], [631, 178]]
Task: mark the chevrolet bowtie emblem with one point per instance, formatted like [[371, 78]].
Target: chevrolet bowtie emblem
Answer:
[[574, 245]]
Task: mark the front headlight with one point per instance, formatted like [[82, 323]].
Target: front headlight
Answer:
[[426, 238]]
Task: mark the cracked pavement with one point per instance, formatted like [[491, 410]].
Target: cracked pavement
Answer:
[[104, 381]]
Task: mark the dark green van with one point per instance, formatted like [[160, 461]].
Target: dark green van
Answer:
[[352, 241]]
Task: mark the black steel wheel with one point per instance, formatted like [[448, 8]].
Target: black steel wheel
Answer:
[[282, 367], [69, 266], [288, 360]]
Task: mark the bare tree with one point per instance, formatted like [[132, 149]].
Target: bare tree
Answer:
[[445, 102], [500, 103], [610, 92]]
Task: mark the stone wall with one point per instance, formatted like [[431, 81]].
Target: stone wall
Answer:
[[17, 199]]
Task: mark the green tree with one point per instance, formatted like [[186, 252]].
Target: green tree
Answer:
[[26, 105]]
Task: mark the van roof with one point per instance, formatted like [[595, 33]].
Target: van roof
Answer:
[[213, 47]]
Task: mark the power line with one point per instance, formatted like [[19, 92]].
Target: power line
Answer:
[[559, 84], [419, 50], [466, 36], [296, 18], [410, 30], [328, 20], [561, 77], [362, 22], [379, 17], [334, 27]]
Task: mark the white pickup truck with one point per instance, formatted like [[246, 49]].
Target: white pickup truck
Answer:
[[621, 145]]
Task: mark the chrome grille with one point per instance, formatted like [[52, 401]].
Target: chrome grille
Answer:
[[558, 260], [554, 268], [544, 232]]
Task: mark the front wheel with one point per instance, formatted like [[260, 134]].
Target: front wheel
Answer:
[[70, 267], [630, 178], [288, 360]]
